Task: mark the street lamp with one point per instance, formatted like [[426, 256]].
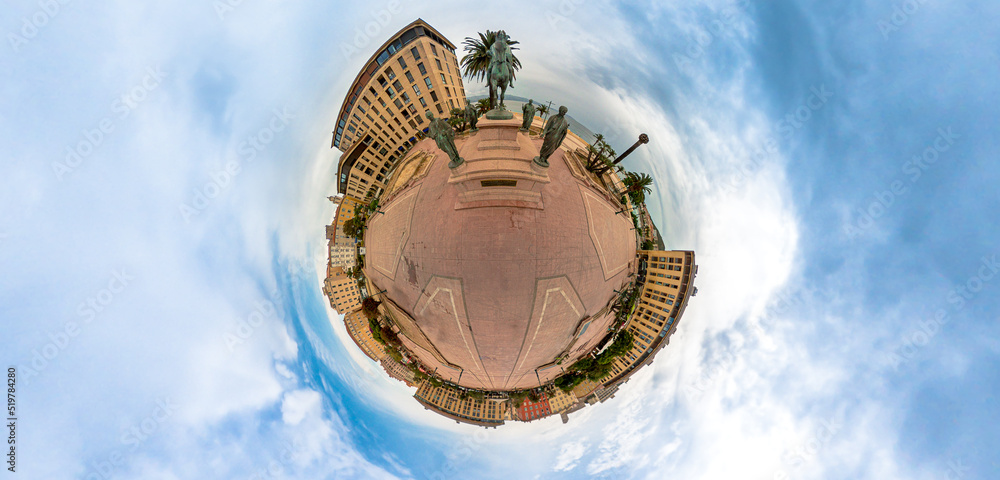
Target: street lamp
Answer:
[[643, 139]]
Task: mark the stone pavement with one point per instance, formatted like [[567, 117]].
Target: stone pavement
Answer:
[[500, 291]]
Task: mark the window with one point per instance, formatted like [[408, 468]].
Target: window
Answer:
[[399, 104], [381, 80], [402, 64], [422, 102], [416, 90], [440, 111], [406, 98], [397, 86], [443, 80], [427, 80], [409, 76], [420, 67], [438, 64], [434, 96], [434, 50], [390, 74], [411, 108], [447, 91], [416, 53], [390, 92]]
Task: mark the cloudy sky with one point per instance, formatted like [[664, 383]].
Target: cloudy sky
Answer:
[[832, 164]]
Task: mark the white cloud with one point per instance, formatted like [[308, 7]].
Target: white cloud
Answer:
[[570, 455]]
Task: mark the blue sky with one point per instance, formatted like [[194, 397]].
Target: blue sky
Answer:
[[833, 165]]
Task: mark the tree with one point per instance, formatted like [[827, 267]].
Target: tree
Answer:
[[568, 381], [648, 245], [482, 106], [351, 228], [599, 155], [476, 62], [369, 307], [621, 345], [457, 119], [542, 110], [637, 185]]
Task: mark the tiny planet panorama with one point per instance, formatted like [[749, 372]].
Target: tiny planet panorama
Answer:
[[500, 262]]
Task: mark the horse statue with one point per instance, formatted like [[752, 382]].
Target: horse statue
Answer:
[[501, 69]]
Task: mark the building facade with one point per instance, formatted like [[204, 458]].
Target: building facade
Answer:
[[345, 211], [398, 371], [357, 327], [534, 410], [414, 72], [448, 401], [343, 256], [666, 282], [560, 400], [342, 290]]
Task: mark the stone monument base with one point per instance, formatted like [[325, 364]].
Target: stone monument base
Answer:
[[499, 113], [498, 170]]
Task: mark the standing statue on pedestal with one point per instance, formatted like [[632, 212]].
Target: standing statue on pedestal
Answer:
[[553, 135], [529, 114], [471, 115], [444, 136], [499, 75]]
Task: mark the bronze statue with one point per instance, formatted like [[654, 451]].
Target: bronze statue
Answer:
[[553, 135], [444, 136], [529, 114], [471, 115], [499, 75]]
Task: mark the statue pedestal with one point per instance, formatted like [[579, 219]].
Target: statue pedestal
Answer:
[[499, 113], [498, 168]]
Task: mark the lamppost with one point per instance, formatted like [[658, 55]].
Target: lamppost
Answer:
[[643, 139]]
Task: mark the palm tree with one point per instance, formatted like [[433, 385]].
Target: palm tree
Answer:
[[542, 110], [476, 62], [483, 106], [637, 186]]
